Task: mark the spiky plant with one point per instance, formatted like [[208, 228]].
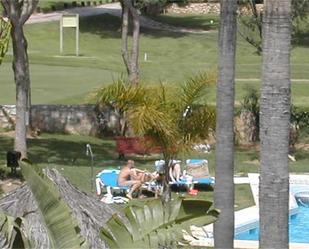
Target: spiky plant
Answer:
[[159, 112]]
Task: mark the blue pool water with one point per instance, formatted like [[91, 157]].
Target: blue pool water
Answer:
[[298, 225]]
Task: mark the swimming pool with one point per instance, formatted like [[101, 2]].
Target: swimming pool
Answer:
[[298, 224]]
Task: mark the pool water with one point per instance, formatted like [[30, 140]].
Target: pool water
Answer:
[[298, 225]]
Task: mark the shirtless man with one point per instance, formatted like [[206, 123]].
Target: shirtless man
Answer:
[[128, 177]]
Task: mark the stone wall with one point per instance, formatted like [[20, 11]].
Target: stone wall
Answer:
[[193, 8], [87, 120], [70, 119], [7, 116], [200, 8]]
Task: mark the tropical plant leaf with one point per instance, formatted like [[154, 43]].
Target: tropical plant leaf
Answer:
[[107, 236], [191, 208], [153, 224], [135, 228], [120, 232], [193, 90], [11, 233], [173, 208], [62, 228]]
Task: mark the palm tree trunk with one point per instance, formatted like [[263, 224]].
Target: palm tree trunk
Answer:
[[224, 171], [274, 131], [130, 59], [124, 36], [134, 75]]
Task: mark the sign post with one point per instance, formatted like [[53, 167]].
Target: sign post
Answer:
[[69, 21]]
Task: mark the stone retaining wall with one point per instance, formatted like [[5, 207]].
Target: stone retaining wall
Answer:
[[193, 8], [201, 8], [70, 119]]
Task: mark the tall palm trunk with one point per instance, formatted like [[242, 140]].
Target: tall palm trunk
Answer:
[[274, 131], [130, 58], [224, 171]]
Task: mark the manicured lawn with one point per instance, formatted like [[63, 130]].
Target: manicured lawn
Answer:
[[47, 5], [172, 58]]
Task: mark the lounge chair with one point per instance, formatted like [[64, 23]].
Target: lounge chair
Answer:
[[108, 179], [198, 168]]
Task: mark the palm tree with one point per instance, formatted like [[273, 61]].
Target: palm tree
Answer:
[[18, 13], [130, 58], [274, 129], [158, 111], [224, 171]]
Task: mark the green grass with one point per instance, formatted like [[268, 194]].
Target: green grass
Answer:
[[49, 5], [172, 58]]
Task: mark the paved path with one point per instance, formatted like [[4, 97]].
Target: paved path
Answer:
[[112, 9]]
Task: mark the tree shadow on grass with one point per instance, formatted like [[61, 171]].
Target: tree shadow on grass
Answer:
[[6, 144], [301, 39], [71, 151], [109, 26], [201, 22], [63, 152]]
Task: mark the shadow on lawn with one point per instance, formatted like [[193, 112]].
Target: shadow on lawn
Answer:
[[67, 151], [301, 39], [202, 22], [6, 144], [56, 151], [108, 26]]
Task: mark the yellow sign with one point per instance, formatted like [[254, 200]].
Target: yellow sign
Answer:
[[70, 21]]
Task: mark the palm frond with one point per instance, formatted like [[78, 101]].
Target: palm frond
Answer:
[[148, 117], [154, 225], [203, 119], [62, 228], [121, 95], [11, 233], [194, 89]]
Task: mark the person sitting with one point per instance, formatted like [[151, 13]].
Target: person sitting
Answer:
[[128, 176], [176, 176], [175, 172]]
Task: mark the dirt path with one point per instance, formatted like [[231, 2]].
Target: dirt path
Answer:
[[112, 9]]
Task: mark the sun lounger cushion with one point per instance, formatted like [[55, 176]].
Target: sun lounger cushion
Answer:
[[197, 168]]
